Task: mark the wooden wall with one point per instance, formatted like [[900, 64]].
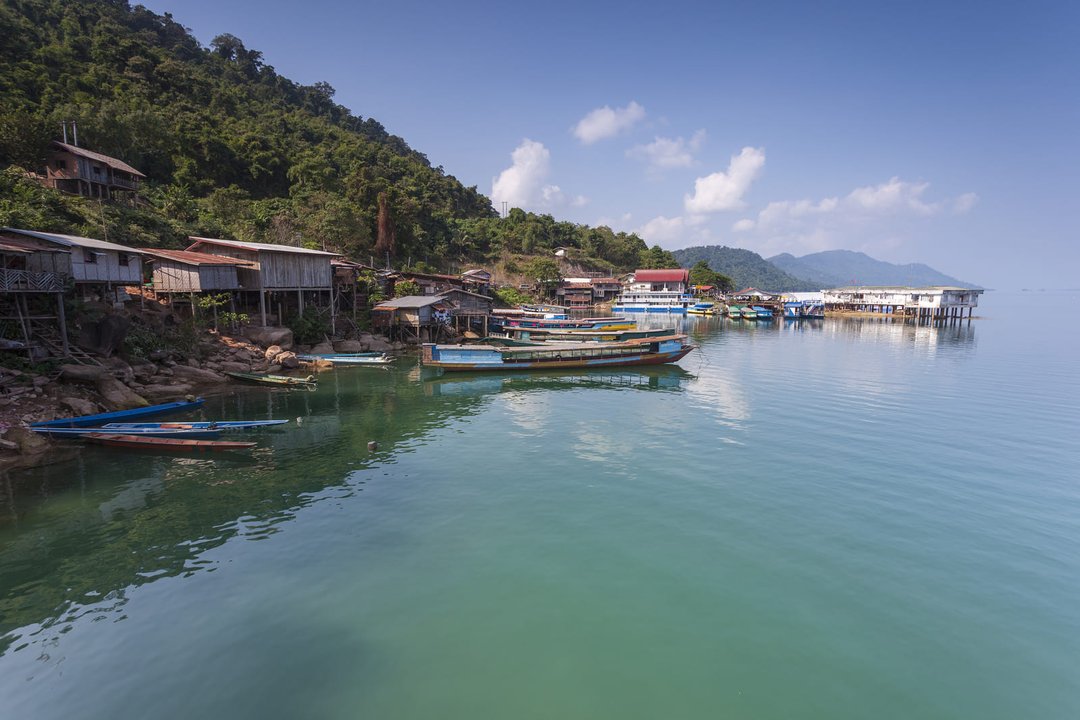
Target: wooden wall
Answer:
[[180, 277], [107, 267]]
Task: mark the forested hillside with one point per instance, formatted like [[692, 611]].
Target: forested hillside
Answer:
[[233, 149], [746, 268]]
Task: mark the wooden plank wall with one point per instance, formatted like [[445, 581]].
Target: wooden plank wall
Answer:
[[107, 267]]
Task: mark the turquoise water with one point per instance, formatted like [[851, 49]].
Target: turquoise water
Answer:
[[841, 519]]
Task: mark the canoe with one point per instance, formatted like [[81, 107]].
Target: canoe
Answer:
[[82, 432], [272, 379], [349, 359], [102, 418], [157, 443], [202, 425], [558, 356]]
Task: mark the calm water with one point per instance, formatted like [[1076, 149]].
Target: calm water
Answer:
[[845, 519]]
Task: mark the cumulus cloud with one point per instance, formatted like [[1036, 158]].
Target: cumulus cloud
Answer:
[[663, 153], [965, 203], [524, 185], [605, 122], [724, 190], [870, 218], [662, 230]]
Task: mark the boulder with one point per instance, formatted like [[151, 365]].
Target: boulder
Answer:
[[379, 345], [349, 346], [196, 375], [88, 374], [273, 369], [271, 336], [143, 371], [79, 406], [120, 369], [118, 395], [287, 360], [323, 349], [104, 336], [235, 366], [28, 442], [166, 392], [273, 351]]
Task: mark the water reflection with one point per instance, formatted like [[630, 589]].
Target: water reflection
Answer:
[[668, 378]]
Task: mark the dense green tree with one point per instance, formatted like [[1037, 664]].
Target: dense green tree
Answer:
[[656, 258], [702, 274]]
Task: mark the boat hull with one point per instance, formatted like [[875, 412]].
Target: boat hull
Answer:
[[167, 444], [102, 418], [648, 351], [135, 432], [275, 380], [201, 425]]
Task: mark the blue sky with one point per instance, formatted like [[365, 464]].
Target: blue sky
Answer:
[[944, 132]]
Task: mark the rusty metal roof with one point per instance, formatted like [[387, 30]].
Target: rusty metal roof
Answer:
[[194, 258], [104, 159]]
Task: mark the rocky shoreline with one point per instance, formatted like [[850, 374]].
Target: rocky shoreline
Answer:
[[121, 384]]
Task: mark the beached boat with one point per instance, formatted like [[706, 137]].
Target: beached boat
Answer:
[[142, 442], [200, 425], [642, 351], [702, 308], [101, 418], [266, 379], [763, 313], [82, 432], [373, 358]]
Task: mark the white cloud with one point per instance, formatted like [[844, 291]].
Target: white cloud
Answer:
[[724, 190], [523, 183], [965, 203], [895, 195], [664, 152], [662, 230], [606, 122], [873, 218]]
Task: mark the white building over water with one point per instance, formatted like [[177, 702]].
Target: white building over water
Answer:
[[923, 302]]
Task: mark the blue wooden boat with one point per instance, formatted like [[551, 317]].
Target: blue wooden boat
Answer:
[[120, 415], [201, 425], [193, 433], [560, 356], [763, 313]]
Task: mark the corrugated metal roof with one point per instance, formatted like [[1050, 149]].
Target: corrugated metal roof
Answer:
[[258, 247], [74, 241], [14, 244], [410, 302], [673, 275], [105, 159], [194, 258]]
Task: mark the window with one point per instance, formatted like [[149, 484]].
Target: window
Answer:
[[97, 170], [123, 259], [89, 257], [60, 164]]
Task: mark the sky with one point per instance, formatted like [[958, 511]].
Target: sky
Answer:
[[941, 132]]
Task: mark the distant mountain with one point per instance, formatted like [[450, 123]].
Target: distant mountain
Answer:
[[746, 268], [834, 268]]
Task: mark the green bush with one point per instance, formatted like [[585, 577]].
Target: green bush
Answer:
[[310, 326]]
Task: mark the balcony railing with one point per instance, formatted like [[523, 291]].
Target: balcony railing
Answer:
[[27, 281]]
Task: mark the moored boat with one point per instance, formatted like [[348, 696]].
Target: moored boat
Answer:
[[604, 323], [763, 313], [159, 443], [266, 379], [748, 313], [200, 425], [375, 358], [82, 432], [537, 335], [101, 418], [702, 308], [641, 351]]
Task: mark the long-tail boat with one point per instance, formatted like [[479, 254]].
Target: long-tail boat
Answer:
[[171, 444], [267, 379], [641, 351], [83, 432], [200, 425], [372, 358], [101, 418]]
